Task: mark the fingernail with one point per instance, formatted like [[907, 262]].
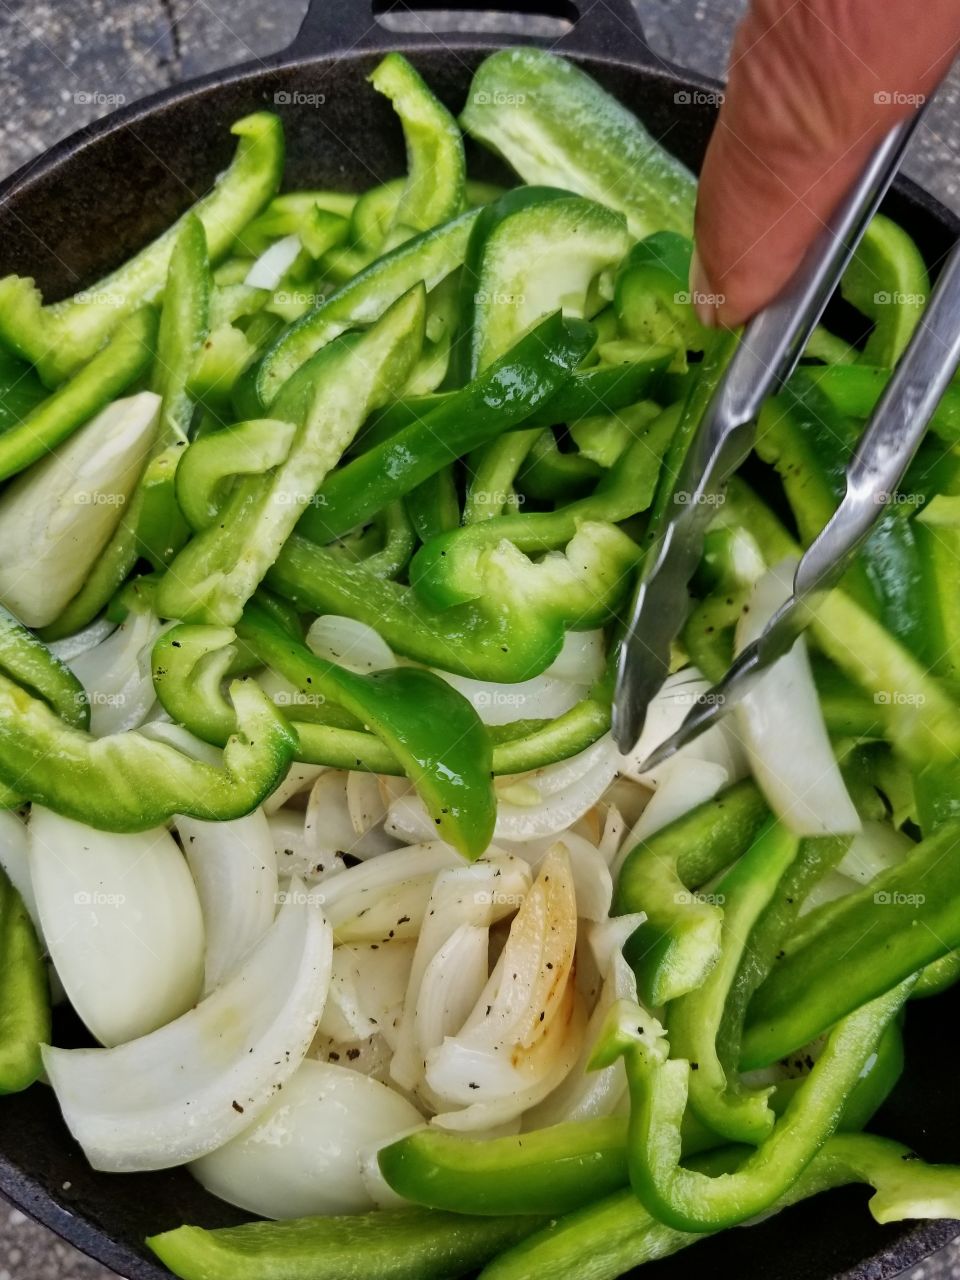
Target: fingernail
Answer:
[[701, 294]]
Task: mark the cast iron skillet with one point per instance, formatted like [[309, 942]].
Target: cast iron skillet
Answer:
[[76, 213]]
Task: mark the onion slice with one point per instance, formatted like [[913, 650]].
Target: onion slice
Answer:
[[122, 921], [193, 1085], [783, 729], [235, 871], [303, 1156]]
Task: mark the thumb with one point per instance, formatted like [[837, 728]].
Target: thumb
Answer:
[[813, 87]]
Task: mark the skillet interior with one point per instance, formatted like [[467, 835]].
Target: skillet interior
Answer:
[[80, 211]]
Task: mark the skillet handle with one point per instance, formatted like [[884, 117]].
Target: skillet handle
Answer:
[[601, 28]]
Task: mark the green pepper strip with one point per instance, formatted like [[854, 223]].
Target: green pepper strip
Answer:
[[498, 399], [24, 994], [436, 181], [588, 391], [20, 389], [433, 731], [551, 476], [161, 528], [850, 950], [30, 663], [887, 282], [190, 665], [609, 1239], [652, 297], [449, 570], [390, 1244], [399, 542], [692, 1201], [433, 507], [219, 569], [426, 259], [512, 633], [125, 782], [560, 1168], [922, 721], [54, 419], [853, 391], [679, 942], [246, 448], [61, 337], [717, 1097], [937, 977]]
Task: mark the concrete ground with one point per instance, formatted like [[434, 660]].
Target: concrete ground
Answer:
[[62, 65]]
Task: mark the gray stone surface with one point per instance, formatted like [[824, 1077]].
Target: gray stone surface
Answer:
[[63, 65]]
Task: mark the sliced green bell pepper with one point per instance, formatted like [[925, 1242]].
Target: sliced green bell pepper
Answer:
[[609, 1239], [717, 1097], [554, 124], [449, 569], [126, 782], [501, 397], [426, 259], [434, 191], [854, 390], [887, 282], [851, 950], [24, 994], [20, 389], [652, 297], [125, 358], [679, 942], [59, 338], [30, 663], [218, 571], [688, 1200], [515, 628], [392, 1244]]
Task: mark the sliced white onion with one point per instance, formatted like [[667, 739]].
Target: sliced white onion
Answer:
[[451, 985], [366, 801], [285, 694], [290, 846], [117, 677], [582, 658], [72, 646], [350, 644], [15, 860], [876, 848], [783, 730], [175, 735], [122, 921], [523, 1034], [476, 895], [56, 517], [300, 777], [193, 1085], [329, 830], [828, 888], [367, 986], [608, 937], [303, 1156], [370, 1057], [386, 897], [677, 696], [684, 784], [235, 871], [564, 683], [549, 800], [274, 263], [585, 1095], [614, 829]]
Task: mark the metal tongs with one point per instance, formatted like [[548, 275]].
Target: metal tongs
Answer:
[[769, 349]]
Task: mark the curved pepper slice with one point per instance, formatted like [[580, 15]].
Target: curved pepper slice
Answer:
[[219, 570], [651, 296], [427, 259], [61, 337], [110, 372], [24, 994], [514, 631], [694, 1022], [849, 951], [554, 124], [679, 942], [449, 569], [618, 1234], [432, 730], [246, 448], [500, 398], [688, 1200], [435, 187], [887, 282], [20, 389], [29, 662], [126, 782]]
